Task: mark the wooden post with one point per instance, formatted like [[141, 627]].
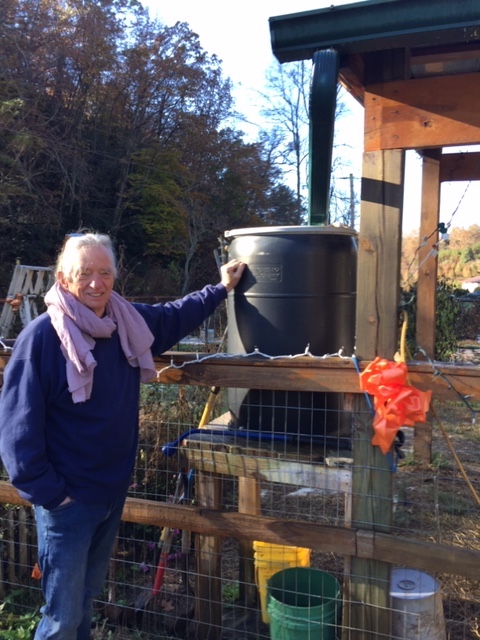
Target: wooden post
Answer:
[[248, 502], [2, 582], [427, 281], [24, 567], [208, 591], [379, 253], [366, 595], [427, 252], [11, 573]]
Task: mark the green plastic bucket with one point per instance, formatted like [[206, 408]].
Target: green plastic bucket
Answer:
[[270, 558], [303, 604]]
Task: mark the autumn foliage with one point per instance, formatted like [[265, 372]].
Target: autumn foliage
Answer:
[[112, 121]]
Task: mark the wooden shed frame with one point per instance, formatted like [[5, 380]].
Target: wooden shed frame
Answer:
[[414, 67]]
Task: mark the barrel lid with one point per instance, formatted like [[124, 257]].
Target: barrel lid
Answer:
[[411, 584], [332, 229]]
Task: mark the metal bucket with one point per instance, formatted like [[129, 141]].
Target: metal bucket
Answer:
[[417, 612]]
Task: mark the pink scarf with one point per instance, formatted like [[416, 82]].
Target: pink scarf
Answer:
[[77, 326]]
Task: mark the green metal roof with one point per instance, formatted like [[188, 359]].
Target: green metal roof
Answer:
[[375, 25]]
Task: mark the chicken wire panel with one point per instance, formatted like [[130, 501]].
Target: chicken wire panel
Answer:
[[429, 502], [420, 510], [128, 608]]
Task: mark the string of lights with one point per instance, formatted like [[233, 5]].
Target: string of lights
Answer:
[[255, 353]]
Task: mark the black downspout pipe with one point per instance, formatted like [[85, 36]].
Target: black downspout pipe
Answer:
[[323, 100]]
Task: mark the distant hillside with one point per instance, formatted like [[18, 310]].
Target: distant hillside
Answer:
[[458, 259]]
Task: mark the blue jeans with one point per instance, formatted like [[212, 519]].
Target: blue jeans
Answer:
[[75, 543]]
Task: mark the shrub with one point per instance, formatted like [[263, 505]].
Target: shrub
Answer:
[[447, 325]]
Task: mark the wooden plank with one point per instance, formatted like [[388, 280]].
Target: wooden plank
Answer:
[[460, 166], [208, 601], [237, 373], [423, 555], [422, 113], [240, 525], [9, 495], [271, 470], [428, 261], [306, 374], [249, 503], [426, 556], [379, 254], [427, 280], [333, 375], [366, 596], [372, 492], [422, 443], [444, 380], [349, 78]]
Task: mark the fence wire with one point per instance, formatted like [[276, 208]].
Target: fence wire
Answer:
[[430, 503]]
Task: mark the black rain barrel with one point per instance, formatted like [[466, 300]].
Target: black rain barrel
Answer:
[[298, 290]]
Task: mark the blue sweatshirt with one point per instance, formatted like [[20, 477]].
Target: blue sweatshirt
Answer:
[[53, 448]]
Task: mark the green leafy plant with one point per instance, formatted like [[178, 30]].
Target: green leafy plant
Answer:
[[231, 592], [16, 626], [448, 312], [439, 461]]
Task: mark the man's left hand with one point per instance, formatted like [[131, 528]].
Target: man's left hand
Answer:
[[232, 273]]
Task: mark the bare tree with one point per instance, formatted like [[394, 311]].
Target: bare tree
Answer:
[[286, 102], [285, 107]]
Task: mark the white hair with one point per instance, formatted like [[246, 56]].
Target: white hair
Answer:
[[76, 243]]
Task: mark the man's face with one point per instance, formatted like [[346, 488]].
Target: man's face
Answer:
[[91, 279]]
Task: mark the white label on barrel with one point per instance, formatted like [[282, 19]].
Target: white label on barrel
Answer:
[[266, 272]]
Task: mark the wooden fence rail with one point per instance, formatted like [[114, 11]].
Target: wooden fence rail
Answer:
[[423, 555], [446, 381]]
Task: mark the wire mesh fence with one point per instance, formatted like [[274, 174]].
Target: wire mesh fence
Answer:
[[217, 580]]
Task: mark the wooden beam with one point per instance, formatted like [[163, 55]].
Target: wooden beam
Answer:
[[349, 80], [459, 53], [427, 280], [422, 113], [422, 555], [426, 556], [315, 476], [379, 254], [249, 502], [428, 252], [366, 594], [461, 167], [208, 582], [351, 75], [446, 381]]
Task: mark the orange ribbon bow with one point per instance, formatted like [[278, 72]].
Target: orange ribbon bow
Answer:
[[396, 403]]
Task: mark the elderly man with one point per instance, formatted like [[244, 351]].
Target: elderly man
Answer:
[[69, 417]]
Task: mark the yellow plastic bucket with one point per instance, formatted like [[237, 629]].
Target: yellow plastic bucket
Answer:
[[271, 558]]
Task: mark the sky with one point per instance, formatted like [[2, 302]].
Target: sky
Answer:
[[239, 35]]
